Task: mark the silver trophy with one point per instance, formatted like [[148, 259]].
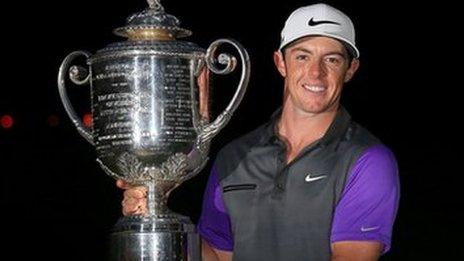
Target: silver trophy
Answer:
[[151, 123]]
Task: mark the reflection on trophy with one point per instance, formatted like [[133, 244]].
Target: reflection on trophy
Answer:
[[151, 123]]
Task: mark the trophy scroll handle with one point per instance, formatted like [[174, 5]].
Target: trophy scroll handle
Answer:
[[197, 157], [228, 62], [79, 76]]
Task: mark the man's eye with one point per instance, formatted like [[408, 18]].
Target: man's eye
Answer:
[[333, 60], [301, 57]]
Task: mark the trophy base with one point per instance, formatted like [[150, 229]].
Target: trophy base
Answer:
[[170, 237]]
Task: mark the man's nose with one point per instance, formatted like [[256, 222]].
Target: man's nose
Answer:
[[316, 69]]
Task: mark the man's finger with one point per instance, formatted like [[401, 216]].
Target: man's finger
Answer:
[[137, 192], [122, 184], [132, 206]]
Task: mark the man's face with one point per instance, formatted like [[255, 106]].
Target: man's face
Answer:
[[315, 69]]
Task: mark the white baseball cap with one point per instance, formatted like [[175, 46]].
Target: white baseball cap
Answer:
[[319, 19]]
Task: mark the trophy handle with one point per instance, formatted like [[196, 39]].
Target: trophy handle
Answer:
[[78, 76], [229, 62]]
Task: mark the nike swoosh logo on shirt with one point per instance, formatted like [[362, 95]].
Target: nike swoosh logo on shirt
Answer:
[[308, 178], [367, 229]]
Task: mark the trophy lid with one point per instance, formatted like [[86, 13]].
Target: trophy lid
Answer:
[[152, 32], [152, 24]]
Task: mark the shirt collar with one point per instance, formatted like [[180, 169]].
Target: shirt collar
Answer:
[[335, 131]]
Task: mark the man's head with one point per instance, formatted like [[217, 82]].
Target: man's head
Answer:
[[322, 20], [316, 58]]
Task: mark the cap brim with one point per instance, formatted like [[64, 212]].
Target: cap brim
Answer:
[[352, 48]]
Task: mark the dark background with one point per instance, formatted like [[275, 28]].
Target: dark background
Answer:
[[56, 202]]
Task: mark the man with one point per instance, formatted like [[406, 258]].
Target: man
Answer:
[[310, 184]]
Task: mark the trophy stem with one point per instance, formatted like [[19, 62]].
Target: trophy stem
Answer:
[[157, 197], [151, 199], [162, 235]]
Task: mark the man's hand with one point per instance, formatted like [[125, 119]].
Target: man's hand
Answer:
[[135, 199]]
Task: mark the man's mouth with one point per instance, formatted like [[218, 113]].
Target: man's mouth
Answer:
[[315, 88]]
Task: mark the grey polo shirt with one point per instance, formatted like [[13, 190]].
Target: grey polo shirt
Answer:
[[261, 208]]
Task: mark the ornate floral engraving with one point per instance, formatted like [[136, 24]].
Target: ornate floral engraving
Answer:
[[133, 170], [131, 167], [173, 168]]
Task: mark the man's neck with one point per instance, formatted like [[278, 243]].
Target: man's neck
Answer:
[[299, 129]]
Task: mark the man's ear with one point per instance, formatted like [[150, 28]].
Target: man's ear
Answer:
[[279, 62], [352, 70]]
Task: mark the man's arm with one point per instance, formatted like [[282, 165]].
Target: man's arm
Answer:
[[356, 250], [364, 216], [214, 224], [209, 253]]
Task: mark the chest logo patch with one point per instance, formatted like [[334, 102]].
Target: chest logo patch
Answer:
[[310, 178]]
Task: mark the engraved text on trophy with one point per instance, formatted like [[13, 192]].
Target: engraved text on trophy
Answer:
[[143, 105]]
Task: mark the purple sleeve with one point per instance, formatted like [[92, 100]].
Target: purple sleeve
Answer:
[[368, 206], [214, 222]]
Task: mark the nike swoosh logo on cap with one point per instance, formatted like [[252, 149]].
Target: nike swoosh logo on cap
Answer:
[[311, 22]]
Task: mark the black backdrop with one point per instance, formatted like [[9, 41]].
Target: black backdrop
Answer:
[[57, 203]]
